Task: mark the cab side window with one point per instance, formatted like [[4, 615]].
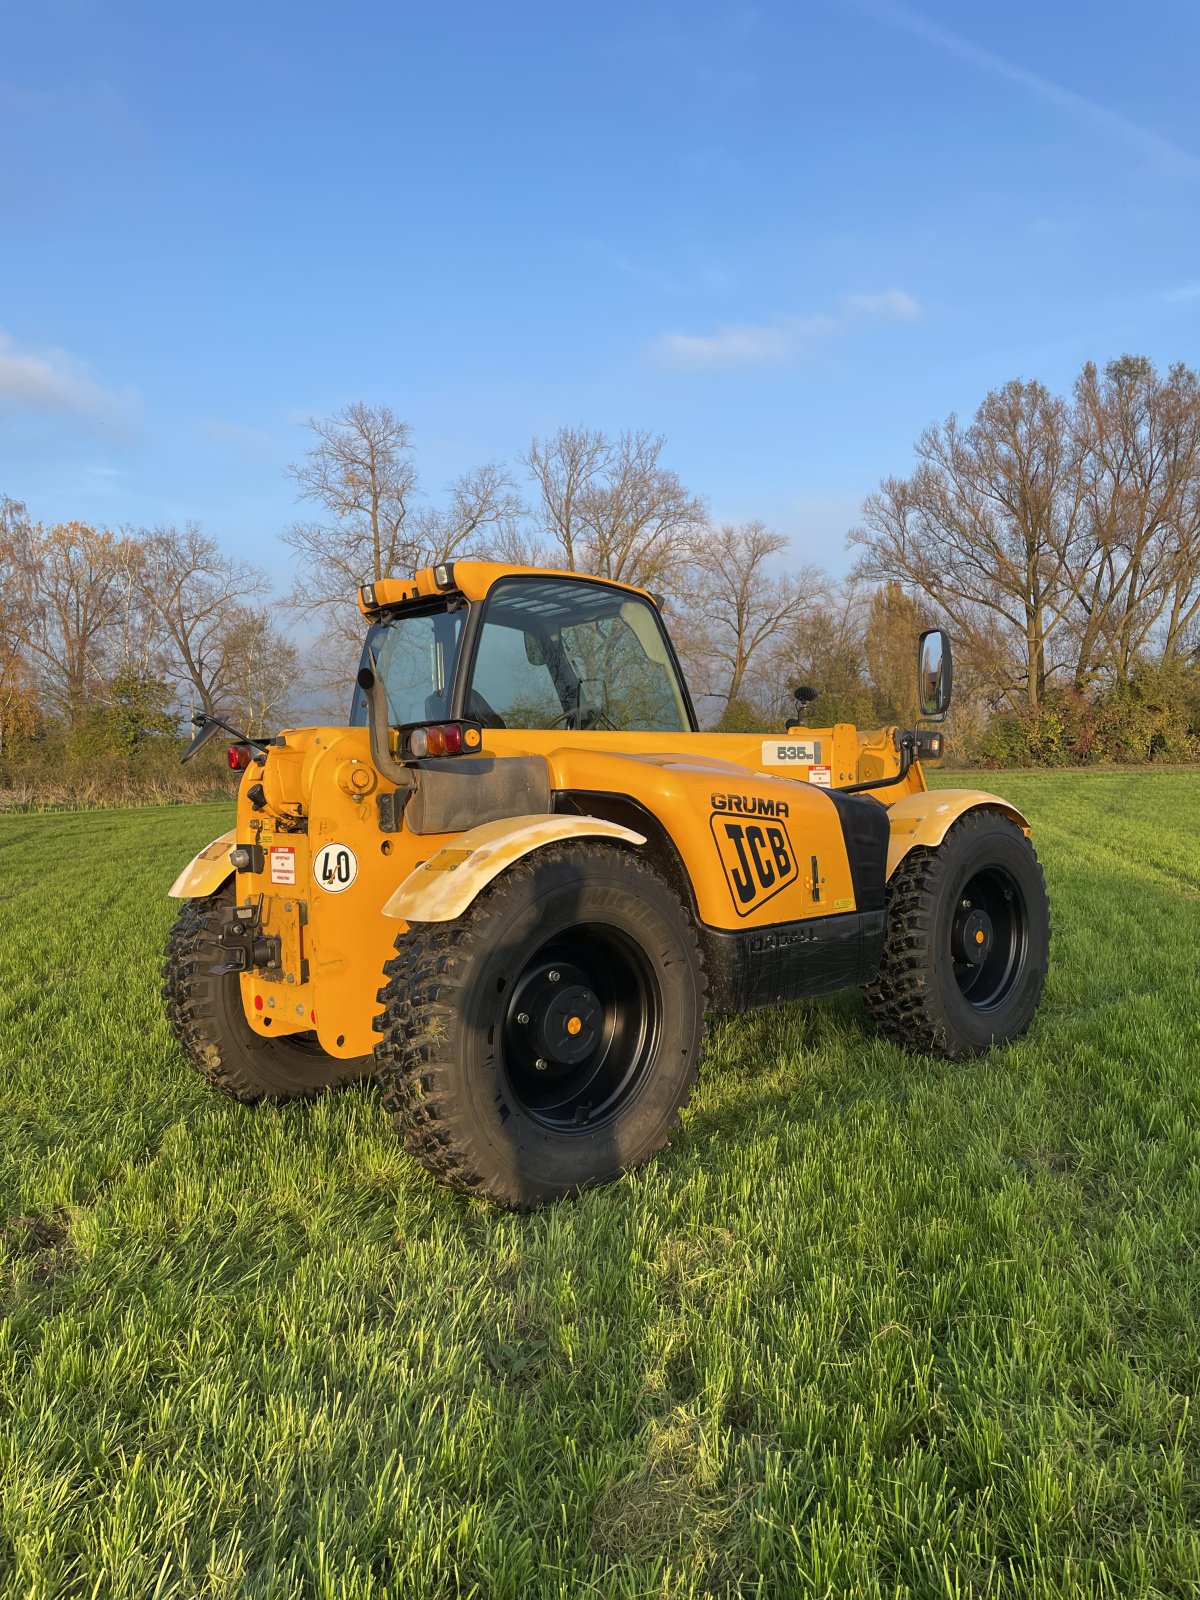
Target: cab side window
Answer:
[[508, 690], [572, 653]]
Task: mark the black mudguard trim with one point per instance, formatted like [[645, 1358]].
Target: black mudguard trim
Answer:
[[752, 967], [867, 832]]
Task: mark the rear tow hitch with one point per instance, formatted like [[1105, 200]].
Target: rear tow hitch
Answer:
[[244, 944]]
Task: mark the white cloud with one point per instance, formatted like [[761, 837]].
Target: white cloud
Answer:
[[783, 339], [897, 304], [741, 344], [55, 383]]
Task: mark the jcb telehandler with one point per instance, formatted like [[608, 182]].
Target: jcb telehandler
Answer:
[[517, 881]]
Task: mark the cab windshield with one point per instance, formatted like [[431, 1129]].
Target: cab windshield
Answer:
[[414, 655], [561, 653]]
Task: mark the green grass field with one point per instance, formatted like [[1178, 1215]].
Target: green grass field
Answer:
[[874, 1325]]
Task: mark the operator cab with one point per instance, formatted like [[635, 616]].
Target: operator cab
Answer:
[[537, 650]]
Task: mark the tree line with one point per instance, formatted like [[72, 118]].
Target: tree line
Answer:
[[1058, 537]]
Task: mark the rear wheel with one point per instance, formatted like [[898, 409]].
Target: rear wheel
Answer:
[[206, 1016], [968, 939], [546, 1040]]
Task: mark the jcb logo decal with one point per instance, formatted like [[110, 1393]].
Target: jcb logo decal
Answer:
[[757, 856]]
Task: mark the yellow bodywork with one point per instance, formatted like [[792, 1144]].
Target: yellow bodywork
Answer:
[[472, 579], [445, 885], [206, 871], [742, 823], [925, 819], [334, 944]]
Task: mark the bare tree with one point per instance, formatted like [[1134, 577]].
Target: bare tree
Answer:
[[360, 471], [562, 467], [612, 507], [822, 644], [73, 616], [988, 528], [735, 606], [483, 512], [191, 588], [259, 668], [17, 701], [1138, 572]]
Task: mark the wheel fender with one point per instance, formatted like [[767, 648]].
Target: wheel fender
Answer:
[[442, 888], [926, 818], [207, 871]]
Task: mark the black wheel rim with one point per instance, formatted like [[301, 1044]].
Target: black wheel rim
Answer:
[[581, 1029], [989, 937]]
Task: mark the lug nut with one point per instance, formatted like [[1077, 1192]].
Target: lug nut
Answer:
[[523, 1018], [541, 1064], [554, 977]]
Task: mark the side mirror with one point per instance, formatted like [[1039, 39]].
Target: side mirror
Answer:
[[935, 674], [805, 695], [207, 729]]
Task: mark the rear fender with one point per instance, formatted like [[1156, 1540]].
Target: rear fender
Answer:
[[206, 872], [925, 819], [444, 886]]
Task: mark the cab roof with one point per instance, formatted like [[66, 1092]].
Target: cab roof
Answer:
[[470, 579]]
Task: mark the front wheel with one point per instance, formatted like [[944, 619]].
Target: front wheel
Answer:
[[968, 940], [545, 1041]]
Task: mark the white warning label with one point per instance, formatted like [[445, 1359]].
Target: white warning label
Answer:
[[283, 864], [821, 776]]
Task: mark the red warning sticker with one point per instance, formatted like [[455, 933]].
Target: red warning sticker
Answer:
[[821, 776]]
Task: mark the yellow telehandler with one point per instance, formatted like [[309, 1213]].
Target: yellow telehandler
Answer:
[[517, 881]]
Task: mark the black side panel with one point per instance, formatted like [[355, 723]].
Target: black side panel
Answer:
[[755, 967], [461, 792], [866, 832]]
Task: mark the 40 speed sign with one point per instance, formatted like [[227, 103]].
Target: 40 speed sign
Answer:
[[335, 867]]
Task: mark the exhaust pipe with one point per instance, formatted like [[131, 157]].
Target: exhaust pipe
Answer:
[[380, 729]]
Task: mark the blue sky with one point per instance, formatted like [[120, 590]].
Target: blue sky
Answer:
[[785, 236]]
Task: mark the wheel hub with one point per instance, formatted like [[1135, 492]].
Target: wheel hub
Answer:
[[989, 937], [580, 1028], [972, 936], [556, 1015]]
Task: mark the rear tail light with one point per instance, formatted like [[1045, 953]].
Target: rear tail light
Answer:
[[442, 739], [239, 757]]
